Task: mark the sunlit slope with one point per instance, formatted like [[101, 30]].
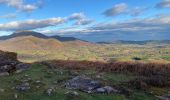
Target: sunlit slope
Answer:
[[30, 43]]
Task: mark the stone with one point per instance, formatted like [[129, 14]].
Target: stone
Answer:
[[26, 75], [110, 89], [82, 83], [38, 87], [163, 98], [49, 91], [15, 96], [10, 64], [168, 95], [55, 82], [72, 93], [22, 66], [99, 76], [19, 71], [106, 89], [100, 90], [37, 81], [8, 60], [23, 86], [4, 74], [2, 90]]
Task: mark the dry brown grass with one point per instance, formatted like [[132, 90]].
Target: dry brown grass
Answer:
[[139, 68]]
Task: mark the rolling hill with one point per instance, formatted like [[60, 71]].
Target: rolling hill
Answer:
[[30, 43], [38, 35], [30, 40]]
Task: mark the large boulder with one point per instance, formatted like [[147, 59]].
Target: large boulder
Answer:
[[7, 56], [82, 83], [9, 63], [88, 85], [23, 86]]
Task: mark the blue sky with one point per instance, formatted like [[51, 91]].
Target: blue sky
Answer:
[[93, 20]]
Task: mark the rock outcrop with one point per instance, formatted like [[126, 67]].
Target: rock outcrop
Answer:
[[9, 63], [82, 83], [88, 85]]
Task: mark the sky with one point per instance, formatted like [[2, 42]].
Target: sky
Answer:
[[92, 20]]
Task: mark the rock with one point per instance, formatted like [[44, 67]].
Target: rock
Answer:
[[26, 75], [4, 74], [55, 82], [37, 81], [72, 93], [82, 83], [164, 97], [19, 71], [38, 87], [23, 86], [99, 76], [106, 89], [109, 89], [8, 60], [50, 91], [61, 72], [21, 67], [2, 90], [25, 80], [4, 56], [168, 95], [15, 96], [88, 85], [100, 90], [10, 64]]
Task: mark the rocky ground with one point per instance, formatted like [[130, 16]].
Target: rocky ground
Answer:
[[20, 81]]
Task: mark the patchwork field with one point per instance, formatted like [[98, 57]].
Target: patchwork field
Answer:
[[100, 52]]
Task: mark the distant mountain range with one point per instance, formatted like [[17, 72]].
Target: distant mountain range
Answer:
[[34, 40], [30, 40], [38, 35], [137, 42]]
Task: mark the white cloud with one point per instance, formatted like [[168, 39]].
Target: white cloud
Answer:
[[83, 22], [116, 10], [136, 11], [30, 24], [163, 4], [19, 5], [123, 9], [79, 18], [9, 16], [156, 25], [76, 16]]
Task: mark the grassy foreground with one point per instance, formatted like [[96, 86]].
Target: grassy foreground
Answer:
[[48, 77]]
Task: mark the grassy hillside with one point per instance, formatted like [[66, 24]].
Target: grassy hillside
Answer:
[[48, 77], [31, 51]]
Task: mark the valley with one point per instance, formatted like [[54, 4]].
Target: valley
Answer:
[[44, 68], [33, 47]]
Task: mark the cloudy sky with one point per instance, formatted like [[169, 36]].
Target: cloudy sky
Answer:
[[93, 20]]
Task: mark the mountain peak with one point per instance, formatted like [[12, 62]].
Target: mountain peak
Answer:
[[38, 35], [21, 31], [28, 33]]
